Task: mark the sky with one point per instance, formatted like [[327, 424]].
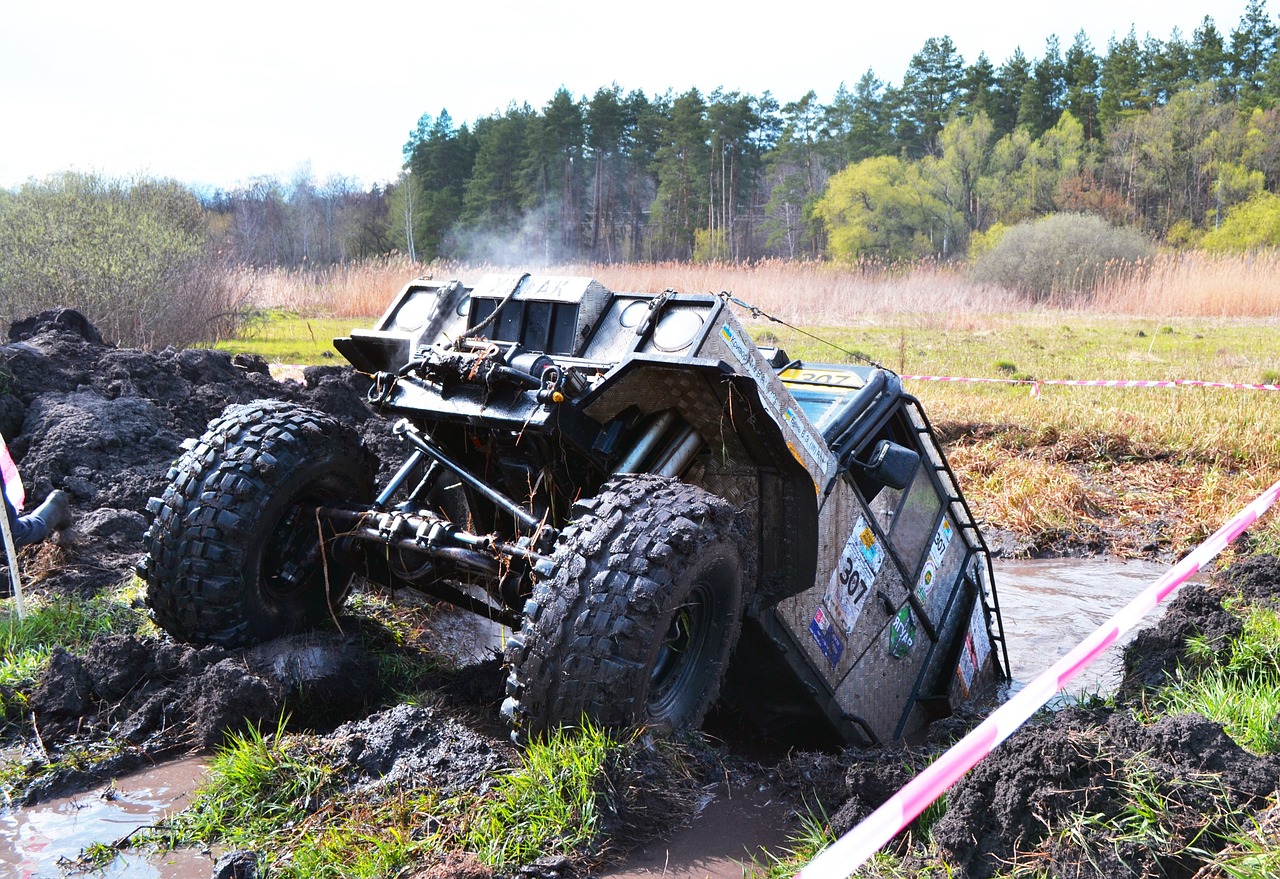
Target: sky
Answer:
[[215, 95]]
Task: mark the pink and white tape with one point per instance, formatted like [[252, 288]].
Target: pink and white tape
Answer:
[[13, 487], [856, 847], [1096, 383]]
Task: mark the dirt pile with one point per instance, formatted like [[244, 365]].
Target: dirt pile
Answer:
[[156, 697], [104, 424], [1063, 792], [409, 746]]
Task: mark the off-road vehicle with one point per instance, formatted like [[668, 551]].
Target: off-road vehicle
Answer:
[[654, 505]]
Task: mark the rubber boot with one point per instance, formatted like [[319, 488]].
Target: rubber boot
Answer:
[[55, 512]]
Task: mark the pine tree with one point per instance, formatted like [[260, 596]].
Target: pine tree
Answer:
[[1011, 80], [1253, 43], [931, 88], [1082, 71]]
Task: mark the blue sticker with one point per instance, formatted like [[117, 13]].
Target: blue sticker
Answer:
[[827, 637]]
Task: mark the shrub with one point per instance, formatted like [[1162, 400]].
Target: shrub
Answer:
[[1250, 225], [132, 256], [1061, 256]]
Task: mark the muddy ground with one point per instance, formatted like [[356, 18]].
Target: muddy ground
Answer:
[[104, 423]]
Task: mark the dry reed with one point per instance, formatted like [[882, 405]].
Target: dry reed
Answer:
[[815, 293]]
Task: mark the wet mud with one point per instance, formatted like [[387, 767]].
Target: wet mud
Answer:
[[104, 424]]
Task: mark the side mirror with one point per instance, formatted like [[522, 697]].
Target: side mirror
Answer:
[[891, 465]]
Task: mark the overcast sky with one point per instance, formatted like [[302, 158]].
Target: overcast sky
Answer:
[[214, 94]]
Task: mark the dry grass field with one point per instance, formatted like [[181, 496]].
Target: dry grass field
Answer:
[[1174, 285]]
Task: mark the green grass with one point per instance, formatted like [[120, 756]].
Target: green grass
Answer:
[[258, 787], [814, 835], [284, 337], [276, 794], [1232, 426], [1115, 458], [64, 620], [548, 804], [1237, 685], [1172, 819]]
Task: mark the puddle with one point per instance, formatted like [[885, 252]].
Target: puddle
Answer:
[[1051, 605], [33, 842], [731, 829]]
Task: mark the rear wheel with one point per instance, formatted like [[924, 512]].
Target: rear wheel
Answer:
[[633, 621], [235, 552]]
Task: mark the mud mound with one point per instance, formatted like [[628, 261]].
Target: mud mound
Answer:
[[104, 424], [1257, 578], [1154, 653], [1046, 778], [159, 697], [1197, 610], [408, 746]]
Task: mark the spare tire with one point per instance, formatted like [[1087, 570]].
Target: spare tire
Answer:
[[633, 620], [235, 553]]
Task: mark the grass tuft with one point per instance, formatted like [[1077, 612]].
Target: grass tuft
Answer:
[[64, 620], [257, 786], [1238, 687], [548, 804]]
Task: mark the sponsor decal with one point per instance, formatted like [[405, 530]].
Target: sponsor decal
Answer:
[[978, 634], [941, 540], [976, 648], [813, 444], [854, 575], [902, 633], [968, 666], [927, 578], [829, 641]]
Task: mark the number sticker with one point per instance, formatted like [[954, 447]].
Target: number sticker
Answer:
[[833, 378], [854, 574]]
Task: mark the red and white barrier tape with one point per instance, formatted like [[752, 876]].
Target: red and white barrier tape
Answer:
[[13, 488], [1095, 383], [857, 846]]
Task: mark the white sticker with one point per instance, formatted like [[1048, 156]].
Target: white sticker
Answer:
[[855, 573], [927, 578], [978, 634], [941, 540], [977, 647]]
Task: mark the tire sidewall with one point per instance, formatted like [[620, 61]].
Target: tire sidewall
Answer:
[[712, 579]]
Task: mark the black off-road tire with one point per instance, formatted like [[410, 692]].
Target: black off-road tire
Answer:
[[633, 621], [236, 514]]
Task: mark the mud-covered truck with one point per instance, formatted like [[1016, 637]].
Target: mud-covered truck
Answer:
[[662, 511]]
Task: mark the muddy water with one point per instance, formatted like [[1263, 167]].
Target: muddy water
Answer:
[[726, 838], [35, 842], [1049, 606]]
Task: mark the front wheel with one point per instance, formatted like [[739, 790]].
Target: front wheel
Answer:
[[235, 552], [635, 618]]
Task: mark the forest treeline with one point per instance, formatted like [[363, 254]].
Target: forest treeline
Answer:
[[1179, 138]]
